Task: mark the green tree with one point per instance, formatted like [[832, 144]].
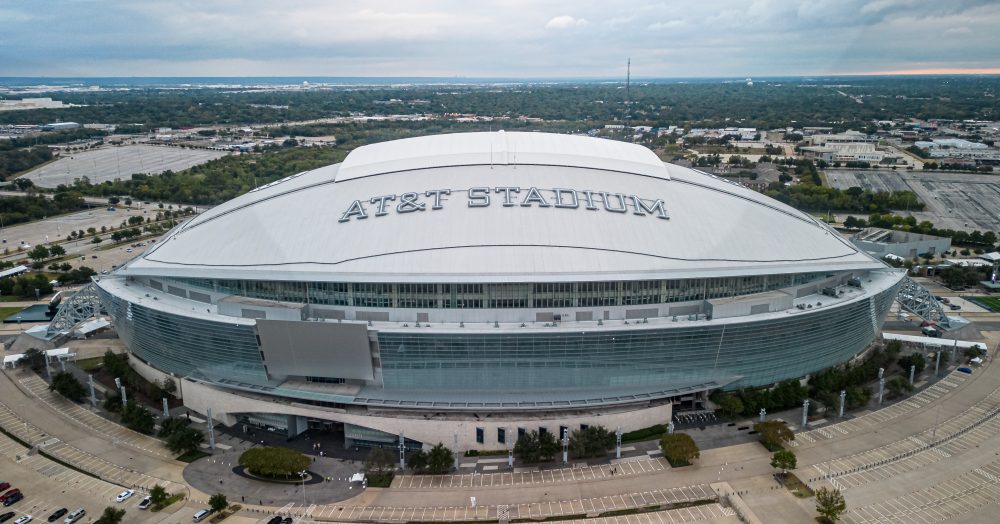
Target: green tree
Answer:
[[913, 359], [417, 461], [35, 359], [774, 434], [830, 504], [68, 386], [591, 442], [730, 405], [380, 466], [38, 253], [440, 459], [783, 460], [185, 440], [896, 386], [679, 449], [56, 251], [218, 502], [170, 425], [274, 462], [137, 417], [535, 446], [158, 495], [112, 515]]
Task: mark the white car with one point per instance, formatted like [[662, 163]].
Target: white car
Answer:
[[23, 520], [145, 503], [123, 496]]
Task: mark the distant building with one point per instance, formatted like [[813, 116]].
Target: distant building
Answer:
[[61, 126], [847, 137], [845, 152], [31, 103], [881, 242], [958, 148]]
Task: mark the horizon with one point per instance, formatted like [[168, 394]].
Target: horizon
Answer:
[[561, 39]]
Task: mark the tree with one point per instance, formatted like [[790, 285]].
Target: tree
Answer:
[[171, 425], [68, 386], [158, 495], [274, 462], [896, 386], [137, 417], [591, 442], [440, 459], [774, 434], [56, 251], [535, 446], [168, 386], [913, 359], [218, 502], [380, 466], [112, 515], [679, 449], [417, 461], [38, 253], [35, 359], [784, 460], [185, 440], [830, 504], [730, 405]]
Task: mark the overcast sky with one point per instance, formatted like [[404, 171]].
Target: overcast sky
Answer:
[[516, 38]]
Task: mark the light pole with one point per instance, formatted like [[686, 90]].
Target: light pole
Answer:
[[565, 444], [304, 474]]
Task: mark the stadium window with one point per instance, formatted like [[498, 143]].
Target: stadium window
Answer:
[[480, 435], [501, 435]]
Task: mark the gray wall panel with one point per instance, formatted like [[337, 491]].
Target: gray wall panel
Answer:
[[325, 349]]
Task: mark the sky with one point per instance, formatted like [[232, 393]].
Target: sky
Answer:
[[492, 38]]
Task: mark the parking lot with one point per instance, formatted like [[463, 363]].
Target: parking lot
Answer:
[[118, 163], [531, 476], [961, 201], [879, 418], [943, 501], [113, 432], [593, 506]]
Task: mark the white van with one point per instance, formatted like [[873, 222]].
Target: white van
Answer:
[[200, 516], [75, 516]]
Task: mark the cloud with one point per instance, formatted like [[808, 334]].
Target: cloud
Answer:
[[493, 38], [670, 24], [565, 22]]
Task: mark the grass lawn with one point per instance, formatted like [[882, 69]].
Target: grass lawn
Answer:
[[8, 311], [991, 303], [191, 456], [90, 364]]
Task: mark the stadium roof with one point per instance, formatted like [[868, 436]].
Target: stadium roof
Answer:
[[310, 226]]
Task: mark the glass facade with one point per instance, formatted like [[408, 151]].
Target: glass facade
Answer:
[[503, 296], [183, 345], [534, 362], [761, 352]]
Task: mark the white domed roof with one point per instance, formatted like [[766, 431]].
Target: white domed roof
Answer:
[[415, 210]]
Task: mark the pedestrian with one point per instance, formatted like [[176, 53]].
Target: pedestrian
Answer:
[[243, 498]]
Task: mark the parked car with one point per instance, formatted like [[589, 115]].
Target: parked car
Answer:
[[25, 519], [4, 486], [7, 516], [12, 496], [965, 370], [58, 514], [954, 307], [275, 520], [145, 503], [75, 516], [123, 496]]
